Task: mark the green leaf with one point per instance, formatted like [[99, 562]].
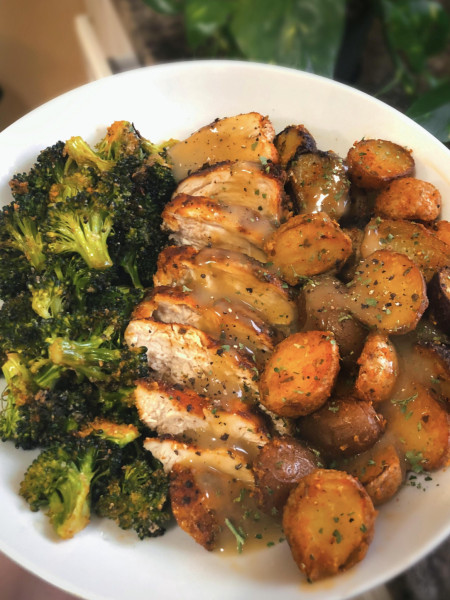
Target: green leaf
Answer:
[[166, 7], [204, 20], [416, 29], [432, 111], [301, 33]]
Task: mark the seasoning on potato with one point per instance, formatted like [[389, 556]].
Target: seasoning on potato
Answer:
[[378, 369], [307, 245], [409, 198], [344, 426], [300, 374], [388, 292], [373, 164], [329, 523]]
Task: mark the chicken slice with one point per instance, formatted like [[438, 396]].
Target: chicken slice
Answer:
[[170, 411], [232, 323], [186, 356], [213, 273], [242, 137], [198, 221], [193, 508], [172, 452], [242, 184]]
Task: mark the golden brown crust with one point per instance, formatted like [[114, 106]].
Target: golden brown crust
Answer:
[[378, 370], [329, 523], [300, 374], [190, 507], [413, 239], [373, 164], [388, 292], [409, 198]]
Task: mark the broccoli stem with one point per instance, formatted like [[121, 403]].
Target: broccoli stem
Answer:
[[83, 357], [28, 240]]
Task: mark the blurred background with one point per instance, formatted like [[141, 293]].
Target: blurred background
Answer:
[[397, 50]]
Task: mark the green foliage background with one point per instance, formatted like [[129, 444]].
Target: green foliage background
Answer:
[[329, 37]]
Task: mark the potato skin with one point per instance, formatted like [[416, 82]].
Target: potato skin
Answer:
[[372, 164], [378, 369], [409, 198], [300, 374], [439, 296], [344, 426], [293, 141], [381, 470], [278, 468], [329, 523], [442, 231], [319, 183]]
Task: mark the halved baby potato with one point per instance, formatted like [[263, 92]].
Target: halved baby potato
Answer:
[[388, 292], [329, 523], [372, 164], [409, 198], [300, 374], [307, 245], [378, 369]]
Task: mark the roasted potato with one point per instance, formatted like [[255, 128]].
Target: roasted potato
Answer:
[[441, 230], [413, 239], [329, 523], [348, 269], [388, 292], [300, 374], [319, 183], [432, 367], [409, 198], [378, 369], [293, 141], [307, 245], [439, 296], [372, 164], [381, 470], [420, 422], [278, 468], [344, 426]]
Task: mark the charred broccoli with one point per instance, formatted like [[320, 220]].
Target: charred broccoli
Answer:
[[78, 244]]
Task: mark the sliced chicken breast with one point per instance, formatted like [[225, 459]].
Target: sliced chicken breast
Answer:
[[172, 452], [170, 411], [186, 356], [240, 184], [242, 137], [232, 323], [198, 221], [213, 274], [193, 508]]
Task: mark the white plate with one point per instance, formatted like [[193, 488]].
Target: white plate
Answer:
[[103, 562]]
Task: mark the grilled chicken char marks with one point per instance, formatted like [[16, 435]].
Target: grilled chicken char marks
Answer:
[[232, 323], [212, 273], [199, 221], [245, 137], [242, 184], [186, 356]]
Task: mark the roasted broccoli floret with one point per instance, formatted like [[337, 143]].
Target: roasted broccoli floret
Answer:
[[59, 480], [20, 326], [98, 472], [81, 225], [137, 498], [19, 231]]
